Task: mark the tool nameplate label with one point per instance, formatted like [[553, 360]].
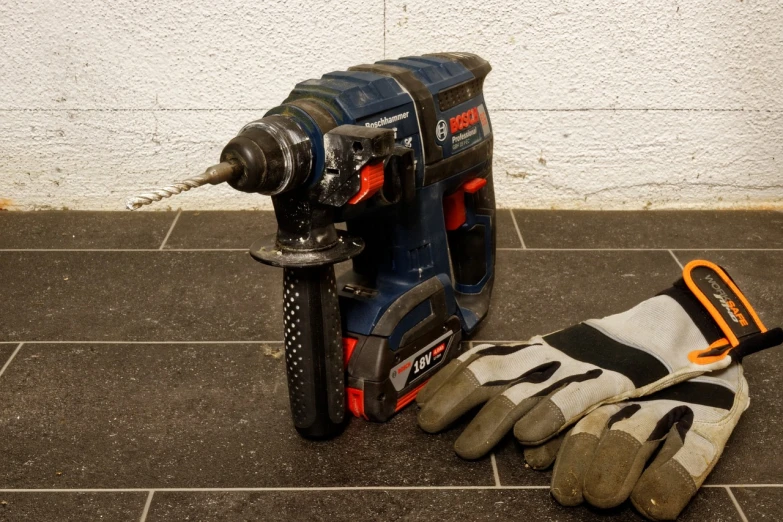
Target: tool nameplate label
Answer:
[[420, 362], [465, 128], [405, 124]]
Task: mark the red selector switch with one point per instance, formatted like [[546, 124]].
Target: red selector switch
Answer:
[[454, 204], [372, 181]]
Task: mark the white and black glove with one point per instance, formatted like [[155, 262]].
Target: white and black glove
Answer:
[[603, 460], [540, 387]]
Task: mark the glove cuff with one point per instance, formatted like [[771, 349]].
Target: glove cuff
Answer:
[[721, 312]]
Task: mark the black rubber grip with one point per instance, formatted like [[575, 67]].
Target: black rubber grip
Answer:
[[313, 350]]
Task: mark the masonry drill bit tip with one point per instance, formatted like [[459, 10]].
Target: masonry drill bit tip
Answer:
[[214, 175]]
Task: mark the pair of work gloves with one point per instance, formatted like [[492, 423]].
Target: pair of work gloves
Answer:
[[654, 393]]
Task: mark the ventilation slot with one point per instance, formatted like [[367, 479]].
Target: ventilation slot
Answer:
[[461, 93]]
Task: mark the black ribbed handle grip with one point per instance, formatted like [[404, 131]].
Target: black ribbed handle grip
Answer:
[[313, 350]]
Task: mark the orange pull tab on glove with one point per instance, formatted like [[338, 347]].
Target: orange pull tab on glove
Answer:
[[730, 310]]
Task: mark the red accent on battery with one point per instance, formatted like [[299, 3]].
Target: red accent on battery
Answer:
[[454, 209], [372, 181], [474, 185], [349, 344], [355, 398], [408, 397]]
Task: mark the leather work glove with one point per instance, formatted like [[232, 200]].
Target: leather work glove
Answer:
[[602, 459], [540, 387]]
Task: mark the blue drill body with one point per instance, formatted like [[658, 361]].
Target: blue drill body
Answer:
[[419, 252], [401, 152]]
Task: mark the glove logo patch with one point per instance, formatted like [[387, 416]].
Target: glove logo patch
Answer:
[[723, 300]]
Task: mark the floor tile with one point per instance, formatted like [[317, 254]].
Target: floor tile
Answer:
[[5, 352], [139, 296], [762, 504], [512, 469], [537, 292], [167, 296], [71, 507], [650, 229], [53, 229], [507, 236], [747, 458], [452, 505], [219, 229], [152, 416]]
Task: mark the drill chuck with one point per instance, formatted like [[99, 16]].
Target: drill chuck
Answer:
[[275, 154]]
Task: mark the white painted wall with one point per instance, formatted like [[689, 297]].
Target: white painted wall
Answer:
[[611, 104]]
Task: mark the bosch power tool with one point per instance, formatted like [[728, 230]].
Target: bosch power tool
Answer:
[[401, 151]]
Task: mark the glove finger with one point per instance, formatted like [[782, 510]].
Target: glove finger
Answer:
[[438, 380], [543, 456], [675, 475], [498, 416], [490, 425], [445, 373], [567, 401], [576, 453], [489, 370], [634, 433], [458, 395]]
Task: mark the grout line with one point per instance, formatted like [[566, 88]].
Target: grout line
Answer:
[[324, 488], [122, 250], [495, 472], [171, 229], [11, 358], [283, 489], [147, 506], [743, 486], [519, 233], [677, 260], [616, 249], [153, 342], [736, 504], [608, 249]]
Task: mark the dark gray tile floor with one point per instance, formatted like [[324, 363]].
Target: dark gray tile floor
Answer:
[[760, 503], [220, 229], [139, 296], [645, 229], [149, 363], [209, 415], [73, 506], [406, 505], [95, 230], [543, 291]]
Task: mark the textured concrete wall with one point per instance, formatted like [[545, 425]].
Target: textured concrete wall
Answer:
[[595, 104]]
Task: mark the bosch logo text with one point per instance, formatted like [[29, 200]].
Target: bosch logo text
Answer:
[[464, 120]]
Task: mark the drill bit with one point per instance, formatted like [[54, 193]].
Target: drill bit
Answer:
[[214, 175]]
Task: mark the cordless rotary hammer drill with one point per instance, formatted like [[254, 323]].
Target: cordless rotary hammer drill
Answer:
[[401, 151]]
